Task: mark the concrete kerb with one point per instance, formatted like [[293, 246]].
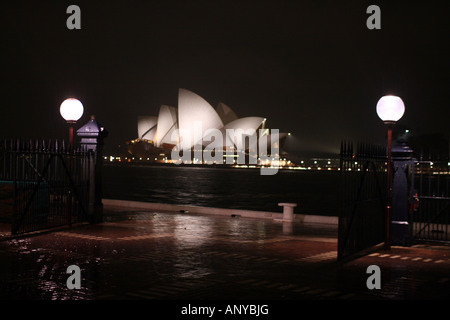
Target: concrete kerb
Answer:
[[9, 236], [276, 216]]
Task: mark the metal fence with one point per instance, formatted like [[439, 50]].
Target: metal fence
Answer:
[[363, 197], [431, 213], [43, 184]]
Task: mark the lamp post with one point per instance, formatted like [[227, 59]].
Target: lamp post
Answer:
[[71, 110], [390, 109]]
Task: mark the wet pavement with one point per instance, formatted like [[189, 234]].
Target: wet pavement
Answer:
[[140, 255]]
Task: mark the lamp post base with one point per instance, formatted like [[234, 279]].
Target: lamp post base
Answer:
[[387, 239], [400, 233]]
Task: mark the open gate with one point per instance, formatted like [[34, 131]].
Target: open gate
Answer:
[[42, 185], [363, 197]]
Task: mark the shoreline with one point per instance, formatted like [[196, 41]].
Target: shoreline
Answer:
[[143, 163], [276, 216]]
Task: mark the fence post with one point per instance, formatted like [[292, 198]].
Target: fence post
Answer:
[[402, 187], [92, 135]]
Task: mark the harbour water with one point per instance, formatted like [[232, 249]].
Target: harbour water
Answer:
[[315, 192]]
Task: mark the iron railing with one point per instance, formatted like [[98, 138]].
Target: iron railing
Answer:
[[43, 184]]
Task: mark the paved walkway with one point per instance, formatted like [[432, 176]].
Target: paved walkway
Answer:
[[137, 255]]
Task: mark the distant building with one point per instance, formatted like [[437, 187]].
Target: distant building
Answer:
[[194, 118]]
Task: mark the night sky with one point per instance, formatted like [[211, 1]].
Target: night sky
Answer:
[[311, 68]]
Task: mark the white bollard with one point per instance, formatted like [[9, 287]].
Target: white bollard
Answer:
[[288, 210]]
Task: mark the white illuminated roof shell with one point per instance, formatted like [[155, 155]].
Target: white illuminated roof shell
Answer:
[[225, 113], [237, 130], [245, 123], [195, 116], [167, 124], [147, 127]]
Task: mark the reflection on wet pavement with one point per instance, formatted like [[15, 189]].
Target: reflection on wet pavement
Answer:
[[158, 255], [131, 250]]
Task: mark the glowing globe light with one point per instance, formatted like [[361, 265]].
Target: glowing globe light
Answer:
[[71, 110], [390, 109]]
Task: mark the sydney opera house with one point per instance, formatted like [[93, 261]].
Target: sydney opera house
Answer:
[[188, 127]]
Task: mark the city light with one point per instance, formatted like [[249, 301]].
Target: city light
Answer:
[[313, 164]]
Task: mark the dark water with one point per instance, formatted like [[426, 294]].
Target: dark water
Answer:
[[315, 192]]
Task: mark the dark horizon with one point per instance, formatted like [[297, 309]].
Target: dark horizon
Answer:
[[311, 68]]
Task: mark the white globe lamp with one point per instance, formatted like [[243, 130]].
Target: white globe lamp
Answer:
[[390, 109], [71, 110]]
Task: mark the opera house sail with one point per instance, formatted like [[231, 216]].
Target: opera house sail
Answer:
[[147, 127], [167, 125], [195, 117], [240, 131], [225, 113]]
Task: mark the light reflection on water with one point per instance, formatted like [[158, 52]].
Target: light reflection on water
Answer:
[[190, 232], [315, 192], [195, 235], [191, 266]]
